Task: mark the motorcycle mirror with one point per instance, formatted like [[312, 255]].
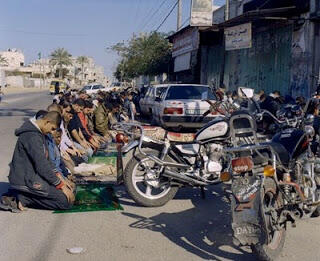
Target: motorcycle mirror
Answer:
[[236, 105], [309, 119], [244, 92]]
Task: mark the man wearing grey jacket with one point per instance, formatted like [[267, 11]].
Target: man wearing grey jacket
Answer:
[[34, 182]]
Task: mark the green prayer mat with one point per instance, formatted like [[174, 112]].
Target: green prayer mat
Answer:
[[109, 158], [94, 197]]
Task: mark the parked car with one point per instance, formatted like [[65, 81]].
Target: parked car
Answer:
[[148, 101], [183, 106], [94, 88], [59, 84]]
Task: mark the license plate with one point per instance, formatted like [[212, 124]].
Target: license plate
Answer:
[[193, 112], [245, 189], [240, 165]]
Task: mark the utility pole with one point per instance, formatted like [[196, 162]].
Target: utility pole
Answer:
[[40, 70], [179, 16], [227, 11]]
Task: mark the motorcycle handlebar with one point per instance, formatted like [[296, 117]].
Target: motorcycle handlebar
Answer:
[[291, 122], [142, 136], [261, 114]]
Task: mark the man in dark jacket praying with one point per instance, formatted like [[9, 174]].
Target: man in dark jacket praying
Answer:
[[34, 181]]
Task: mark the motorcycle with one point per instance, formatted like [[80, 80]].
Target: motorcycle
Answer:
[[159, 167], [273, 183]]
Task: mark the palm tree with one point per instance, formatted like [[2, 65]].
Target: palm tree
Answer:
[[3, 61], [60, 57], [82, 60]]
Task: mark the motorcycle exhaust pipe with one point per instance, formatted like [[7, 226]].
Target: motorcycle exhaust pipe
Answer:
[[183, 178]]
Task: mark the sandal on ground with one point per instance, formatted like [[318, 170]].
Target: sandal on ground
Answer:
[[9, 204]]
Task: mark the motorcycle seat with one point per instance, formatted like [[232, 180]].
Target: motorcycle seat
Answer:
[[159, 133], [181, 137], [154, 132]]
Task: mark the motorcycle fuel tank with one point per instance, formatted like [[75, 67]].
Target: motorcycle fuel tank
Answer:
[[218, 128], [293, 140]]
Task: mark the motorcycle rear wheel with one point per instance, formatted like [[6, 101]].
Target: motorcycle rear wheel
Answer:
[[142, 193], [268, 251]]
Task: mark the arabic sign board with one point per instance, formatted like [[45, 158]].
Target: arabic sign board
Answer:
[[201, 13], [185, 42], [238, 37]]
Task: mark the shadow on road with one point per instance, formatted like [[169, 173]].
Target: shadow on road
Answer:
[[204, 230], [126, 200], [17, 112]]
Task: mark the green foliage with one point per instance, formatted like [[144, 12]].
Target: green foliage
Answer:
[[60, 57], [3, 61], [82, 60], [147, 54]]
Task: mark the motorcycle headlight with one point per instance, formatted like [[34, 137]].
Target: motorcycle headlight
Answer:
[[309, 130]]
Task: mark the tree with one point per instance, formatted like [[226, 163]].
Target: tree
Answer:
[[3, 61], [60, 58], [148, 54], [82, 60]]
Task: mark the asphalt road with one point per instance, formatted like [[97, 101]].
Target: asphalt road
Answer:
[[187, 228]]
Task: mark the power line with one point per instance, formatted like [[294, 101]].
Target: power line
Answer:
[[143, 21], [154, 13], [155, 20], [165, 19]]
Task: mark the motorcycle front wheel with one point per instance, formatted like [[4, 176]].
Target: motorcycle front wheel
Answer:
[[272, 241], [143, 183]]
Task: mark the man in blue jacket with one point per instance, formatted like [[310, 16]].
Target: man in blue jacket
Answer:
[[34, 181]]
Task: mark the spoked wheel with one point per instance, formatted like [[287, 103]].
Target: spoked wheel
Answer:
[[272, 242], [145, 184]]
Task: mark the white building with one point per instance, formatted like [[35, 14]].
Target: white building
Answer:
[[40, 72], [14, 57]]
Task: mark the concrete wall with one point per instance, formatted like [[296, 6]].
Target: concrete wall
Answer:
[[26, 82], [302, 60], [315, 10], [218, 15], [306, 54]]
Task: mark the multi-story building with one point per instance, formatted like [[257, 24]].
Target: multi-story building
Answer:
[[261, 44], [40, 72], [13, 57]]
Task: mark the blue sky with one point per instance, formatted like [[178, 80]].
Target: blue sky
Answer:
[[83, 27]]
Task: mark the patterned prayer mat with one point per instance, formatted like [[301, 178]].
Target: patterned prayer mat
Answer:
[[94, 197]]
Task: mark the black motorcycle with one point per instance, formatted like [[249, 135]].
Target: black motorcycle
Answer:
[[273, 183]]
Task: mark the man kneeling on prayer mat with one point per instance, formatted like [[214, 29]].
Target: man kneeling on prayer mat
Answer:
[[34, 181]]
